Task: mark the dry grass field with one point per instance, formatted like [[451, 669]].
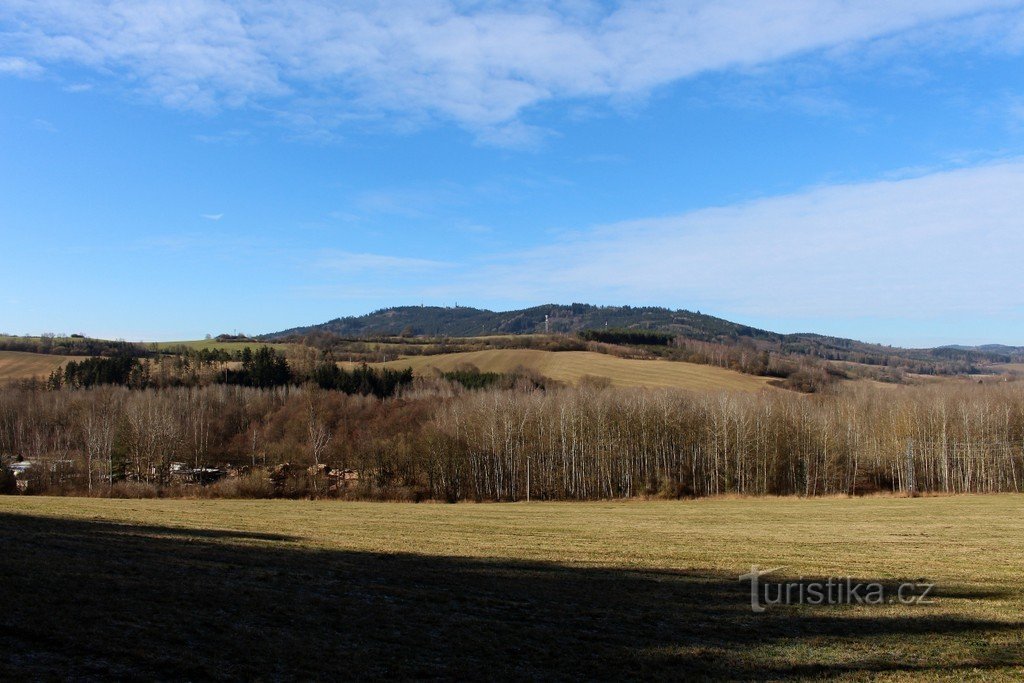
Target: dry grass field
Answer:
[[213, 345], [191, 589], [1015, 368], [15, 365], [572, 366]]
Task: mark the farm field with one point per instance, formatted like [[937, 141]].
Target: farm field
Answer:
[[213, 344], [194, 589], [572, 366], [15, 365], [1017, 368]]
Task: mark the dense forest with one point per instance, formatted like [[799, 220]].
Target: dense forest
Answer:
[[506, 441], [263, 368], [628, 336], [463, 321]]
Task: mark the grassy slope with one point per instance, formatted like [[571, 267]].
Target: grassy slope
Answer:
[[571, 366], [20, 365], [299, 589], [197, 344]]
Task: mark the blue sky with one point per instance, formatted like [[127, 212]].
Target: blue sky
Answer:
[[172, 169]]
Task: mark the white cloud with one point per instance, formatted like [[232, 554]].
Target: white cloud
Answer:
[[213, 216], [946, 243], [16, 66], [479, 64]]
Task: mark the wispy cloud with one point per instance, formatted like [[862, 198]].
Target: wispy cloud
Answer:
[[17, 66], [44, 125], [213, 216], [356, 263], [945, 243], [229, 137], [481, 65]]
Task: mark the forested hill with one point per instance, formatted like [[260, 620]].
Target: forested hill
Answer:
[[460, 321]]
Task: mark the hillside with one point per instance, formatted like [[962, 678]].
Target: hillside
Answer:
[[572, 366], [461, 321], [436, 321], [16, 365]]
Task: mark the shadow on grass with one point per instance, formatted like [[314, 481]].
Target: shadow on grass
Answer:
[[120, 530], [83, 599]]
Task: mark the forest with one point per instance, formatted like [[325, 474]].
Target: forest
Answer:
[[436, 439]]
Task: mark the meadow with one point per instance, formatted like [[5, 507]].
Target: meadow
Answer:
[[284, 589], [210, 345], [571, 367], [18, 365]]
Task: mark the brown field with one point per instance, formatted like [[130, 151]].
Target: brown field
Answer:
[[15, 365], [1017, 368], [572, 366], [309, 590]]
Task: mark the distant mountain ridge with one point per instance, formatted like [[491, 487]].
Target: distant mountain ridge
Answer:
[[463, 321]]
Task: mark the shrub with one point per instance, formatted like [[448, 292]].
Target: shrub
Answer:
[[253, 485], [672, 489], [133, 489], [8, 484]]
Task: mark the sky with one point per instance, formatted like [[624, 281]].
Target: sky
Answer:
[[179, 168]]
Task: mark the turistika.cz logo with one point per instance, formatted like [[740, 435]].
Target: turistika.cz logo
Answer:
[[831, 591]]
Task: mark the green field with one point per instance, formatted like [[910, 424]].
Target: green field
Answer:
[[213, 344], [572, 366], [190, 589]]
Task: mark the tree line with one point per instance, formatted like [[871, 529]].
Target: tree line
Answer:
[[628, 336], [437, 440], [263, 368], [74, 345]]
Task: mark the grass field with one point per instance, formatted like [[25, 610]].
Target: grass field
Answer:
[[198, 344], [572, 366], [299, 589], [20, 365], [1017, 368]]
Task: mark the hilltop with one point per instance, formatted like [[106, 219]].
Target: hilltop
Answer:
[[463, 321]]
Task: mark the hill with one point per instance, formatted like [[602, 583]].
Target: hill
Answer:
[[462, 321], [459, 321]]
